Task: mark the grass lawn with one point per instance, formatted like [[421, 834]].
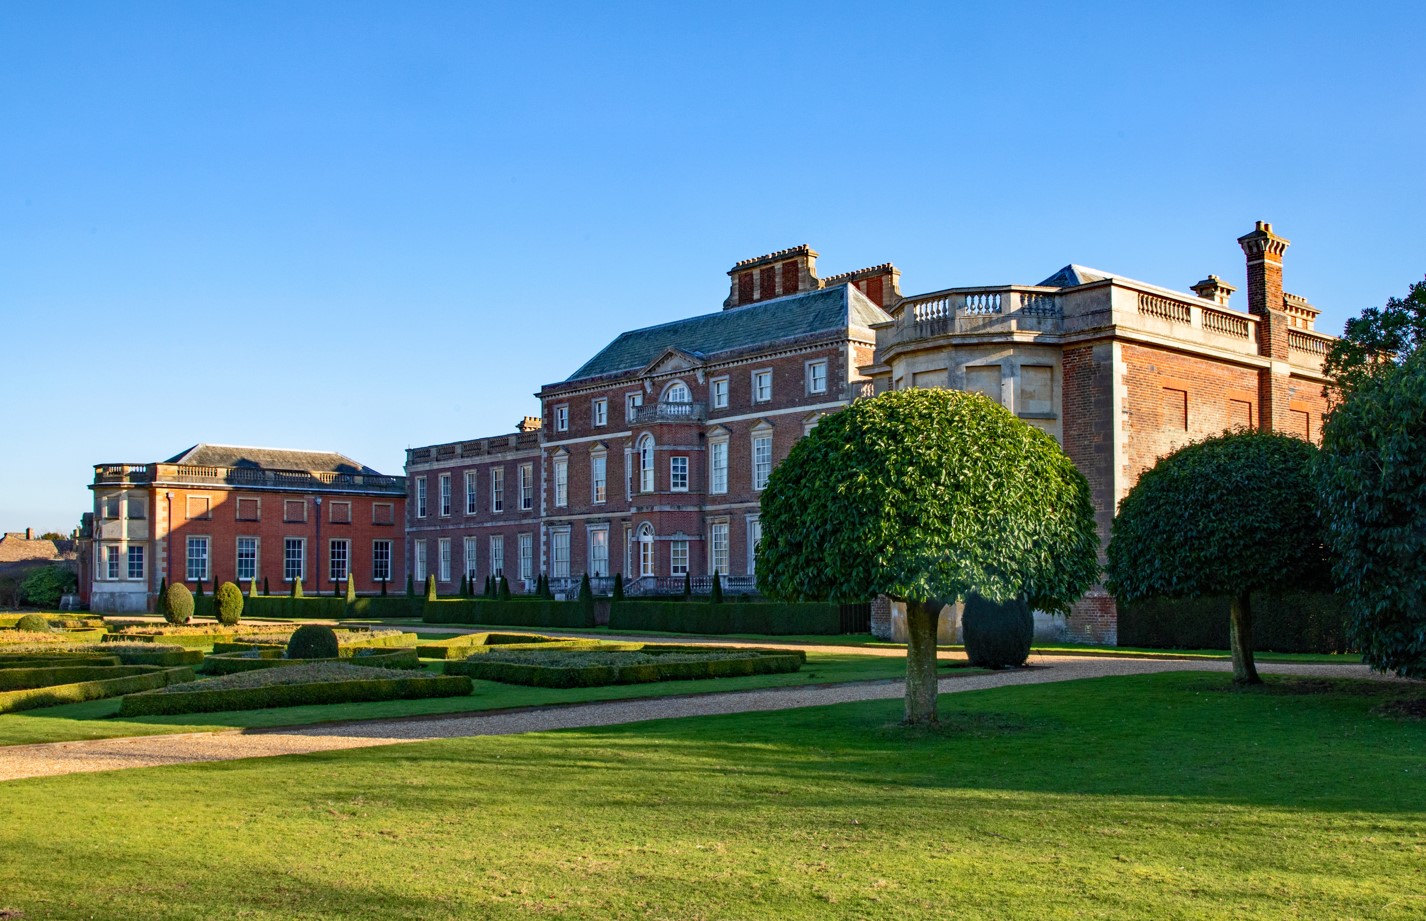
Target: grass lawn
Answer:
[[96, 719], [1164, 796]]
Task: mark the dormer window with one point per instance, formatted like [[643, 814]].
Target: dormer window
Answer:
[[677, 392]]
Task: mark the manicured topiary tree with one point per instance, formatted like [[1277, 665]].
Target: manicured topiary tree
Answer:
[[198, 589], [160, 605], [33, 623], [503, 592], [926, 496], [716, 595], [997, 635], [586, 596], [265, 589], [383, 588], [228, 604], [540, 585], [1371, 477], [1230, 515], [618, 586], [178, 604], [297, 587], [312, 641], [351, 590], [410, 587], [431, 588], [252, 588], [687, 587]]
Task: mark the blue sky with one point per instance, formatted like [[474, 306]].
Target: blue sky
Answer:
[[363, 227]]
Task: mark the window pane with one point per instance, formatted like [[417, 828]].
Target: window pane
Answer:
[[381, 561], [293, 559], [247, 559]]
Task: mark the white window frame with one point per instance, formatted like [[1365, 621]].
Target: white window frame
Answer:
[[134, 555], [497, 555], [238, 557], [334, 573], [814, 383], [646, 463], [718, 392], [678, 558], [718, 557], [111, 562], [445, 484], [762, 386], [525, 548], [755, 534], [762, 468], [647, 556], [561, 482], [204, 558], [598, 539], [470, 547], [421, 508], [718, 466], [559, 553], [378, 572], [676, 389], [598, 478], [599, 412], [678, 473], [418, 560], [443, 559], [472, 498], [632, 401], [527, 487], [497, 489], [288, 544], [562, 417]]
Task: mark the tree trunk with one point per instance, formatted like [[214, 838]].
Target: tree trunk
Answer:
[[1241, 633], [921, 686]]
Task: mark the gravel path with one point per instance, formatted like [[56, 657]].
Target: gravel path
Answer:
[[20, 761]]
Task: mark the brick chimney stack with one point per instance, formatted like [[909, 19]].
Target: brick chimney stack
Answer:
[[787, 271], [29, 534], [1214, 289], [528, 424], [1264, 250]]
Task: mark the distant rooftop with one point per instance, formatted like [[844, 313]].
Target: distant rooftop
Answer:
[[210, 455]]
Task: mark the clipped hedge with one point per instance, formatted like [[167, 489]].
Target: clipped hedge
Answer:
[[161, 656], [759, 617], [49, 661], [296, 695], [458, 647], [12, 701], [64, 618], [44, 676], [757, 662], [347, 642], [271, 657], [1287, 622], [323, 607], [532, 612]]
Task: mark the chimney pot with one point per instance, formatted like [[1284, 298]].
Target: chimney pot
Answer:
[[29, 534]]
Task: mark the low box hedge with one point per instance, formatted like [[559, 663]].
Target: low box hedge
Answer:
[[322, 607], [162, 656], [186, 640], [1283, 622], [756, 662], [77, 658], [349, 641], [533, 612], [271, 657], [152, 677], [295, 695], [21, 679], [766, 618]]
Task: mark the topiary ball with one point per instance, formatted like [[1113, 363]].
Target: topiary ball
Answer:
[[997, 635], [228, 604], [312, 641], [33, 623], [179, 607]]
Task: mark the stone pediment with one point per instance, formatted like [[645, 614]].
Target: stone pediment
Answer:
[[674, 360]]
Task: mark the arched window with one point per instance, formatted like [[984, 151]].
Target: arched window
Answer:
[[677, 392], [646, 549], [646, 464]]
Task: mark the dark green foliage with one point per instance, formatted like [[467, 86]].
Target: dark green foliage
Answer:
[[227, 663], [178, 604], [295, 695], [618, 586], [313, 641], [1372, 480], [585, 599], [296, 591], [198, 589], [410, 586], [228, 604], [265, 589], [757, 662], [537, 612], [687, 587], [383, 588], [252, 588], [33, 623], [44, 586], [161, 602], [464, 586], [716, 595], [1282, 622], [1378, 341], [765, 618], [1232, 515], [503, 593], [351, 595], [431, 588], [12, 701], [997, 634], [23, 679]]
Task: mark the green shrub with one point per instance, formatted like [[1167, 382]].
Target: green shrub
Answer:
[[997, 635], [178, 604], [265, 590], [764, 618], [33, 623], [227, 663], [21, 679], [351, 595], [313, 641], [532, 612], [228, 604], [12, 701], [252, 588], [431, 588], [198, 591], [681, 668], [296, 588], [716, 595], [43, 587], [618, 586], [295, 695], [503, 593]]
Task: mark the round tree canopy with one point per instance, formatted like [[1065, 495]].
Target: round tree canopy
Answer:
[[927, 494], [1228, 515]]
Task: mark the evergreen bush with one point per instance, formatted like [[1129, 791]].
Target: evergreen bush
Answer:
[[351, 589], [997, 635], [198, 589], [160, 606], [228, 604], [252, 587], [687, 587], [410, 586], [618, 586], [33, 623], [431, 588], [504, 593], [265, 589], [297, 587], [178, 604], [716, 596], [313, 641]]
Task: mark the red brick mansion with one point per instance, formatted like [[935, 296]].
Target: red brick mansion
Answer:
[[649, 459]]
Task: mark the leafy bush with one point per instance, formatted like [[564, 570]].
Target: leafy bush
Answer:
[[313, 641], [33, 623], [997, 635], [43, 587], [292, 687], [764, 618], [228, 604], [178, 604], [681, 664], [11, 701]]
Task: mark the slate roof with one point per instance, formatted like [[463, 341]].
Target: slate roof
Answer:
[[206, 455], [790, 317], [1072, 275], [15, 549]]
